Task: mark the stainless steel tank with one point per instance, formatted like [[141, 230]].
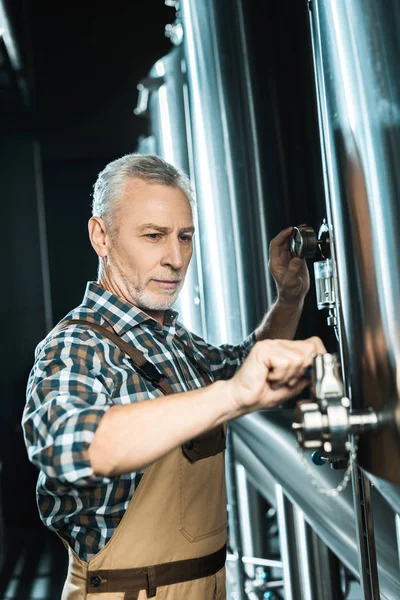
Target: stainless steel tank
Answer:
[[229, 180], [163, 97], [355, 50], [357, 57]]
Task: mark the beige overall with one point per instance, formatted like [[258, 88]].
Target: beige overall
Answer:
[[170, 544]]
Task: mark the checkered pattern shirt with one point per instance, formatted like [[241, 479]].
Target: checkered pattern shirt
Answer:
[[77, 376]]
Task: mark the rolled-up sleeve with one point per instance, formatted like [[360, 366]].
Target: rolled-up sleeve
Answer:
[[67, 396], [226, 359]]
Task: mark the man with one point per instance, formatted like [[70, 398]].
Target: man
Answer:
[[136, 488]]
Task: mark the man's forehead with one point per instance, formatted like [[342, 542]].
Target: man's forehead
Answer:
[[138, 191], [136, 186], [156, 205]]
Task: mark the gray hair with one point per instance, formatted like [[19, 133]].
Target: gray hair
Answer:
[[150, 168]]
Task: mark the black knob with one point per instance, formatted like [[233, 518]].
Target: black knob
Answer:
[[304, 242], [95, 581], [318, 459]]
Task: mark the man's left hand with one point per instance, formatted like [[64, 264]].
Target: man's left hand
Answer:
[[290, 274]]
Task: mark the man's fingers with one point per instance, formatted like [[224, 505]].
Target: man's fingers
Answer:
[[275, 370], [282, 236], [279, 395], [317, 345], [295, 265], [293, 382], [309, 346], [289, 361], [290, 366], [279, 243]]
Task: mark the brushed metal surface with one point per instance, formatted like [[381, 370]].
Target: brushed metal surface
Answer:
[[227, 171], [357, 56], [268, 437], [169, 122]]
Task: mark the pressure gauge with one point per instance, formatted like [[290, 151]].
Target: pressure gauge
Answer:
[[304, 242]]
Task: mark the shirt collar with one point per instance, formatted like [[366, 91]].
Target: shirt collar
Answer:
[[121, 314]]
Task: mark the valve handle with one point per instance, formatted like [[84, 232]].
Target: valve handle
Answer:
[[304, 241], [318, 459]]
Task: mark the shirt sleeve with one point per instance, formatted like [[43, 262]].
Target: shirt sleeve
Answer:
[[225, 360], [67, 396]]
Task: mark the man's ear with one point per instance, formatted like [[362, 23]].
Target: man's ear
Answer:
[[98, 236]]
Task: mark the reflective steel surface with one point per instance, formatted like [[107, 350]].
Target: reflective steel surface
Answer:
[[227, 172], [268, 437], [168, 111], [357, 54]]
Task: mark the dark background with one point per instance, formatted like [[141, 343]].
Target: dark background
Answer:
[[64, 114]]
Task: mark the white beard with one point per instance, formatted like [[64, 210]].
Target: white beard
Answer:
[[144, 299]]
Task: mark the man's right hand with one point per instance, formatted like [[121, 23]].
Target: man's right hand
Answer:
[[131, 437], [273, 372]]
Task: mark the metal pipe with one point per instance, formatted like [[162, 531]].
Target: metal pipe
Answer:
[[265, 445], [397, 525], [284, 512], [304, 554], [244, 516], [162, 95], [263, 562], [234, 532], [7, 35], [227, 167]]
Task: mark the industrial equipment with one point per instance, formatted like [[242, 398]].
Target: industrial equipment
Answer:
[[268, 143]]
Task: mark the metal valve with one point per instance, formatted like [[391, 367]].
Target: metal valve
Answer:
[[326, 421], [304, 242]]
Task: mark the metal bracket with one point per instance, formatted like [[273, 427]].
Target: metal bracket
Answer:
[[145, 87]]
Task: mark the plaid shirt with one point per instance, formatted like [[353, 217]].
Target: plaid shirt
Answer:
[[77, 376]]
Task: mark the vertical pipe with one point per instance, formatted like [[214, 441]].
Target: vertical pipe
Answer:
[[363, 507], [229, 175], [318, 569], [397, 525], [234, 533], [244, 517], [44, 255], [167, 105], [303, 553], [288, 548], [248, 85], [309, 573]]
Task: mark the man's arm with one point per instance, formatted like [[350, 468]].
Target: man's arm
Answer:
[[68, 392], [131, 437], [76, 435], [292, 282]]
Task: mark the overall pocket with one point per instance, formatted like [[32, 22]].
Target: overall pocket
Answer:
[[202, 487]]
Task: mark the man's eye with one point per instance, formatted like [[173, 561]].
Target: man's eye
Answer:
[[186, 238], [153, 236]]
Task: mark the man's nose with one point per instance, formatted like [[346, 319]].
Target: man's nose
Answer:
[[173, 256]]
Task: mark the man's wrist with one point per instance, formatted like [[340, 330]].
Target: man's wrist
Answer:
[[297, 302], [226, 394]]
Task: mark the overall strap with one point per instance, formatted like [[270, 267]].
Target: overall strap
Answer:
[[192, 359], [207, 444], [132, 581], [143, 366]]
